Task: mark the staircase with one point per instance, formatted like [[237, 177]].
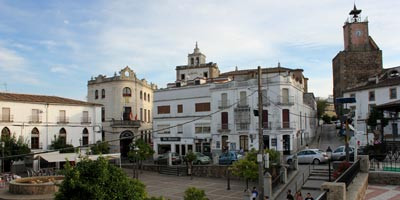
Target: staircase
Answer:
[[312, 185], [173, 170]]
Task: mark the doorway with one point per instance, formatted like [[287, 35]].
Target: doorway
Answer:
[[124, 144], [286, 144]]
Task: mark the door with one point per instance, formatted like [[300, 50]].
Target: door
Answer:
[[224, 100], [285, 96], [285, 118], [266, 141], [126, 140], [286, 144], [127, 113], [224, 120], [265, 119]]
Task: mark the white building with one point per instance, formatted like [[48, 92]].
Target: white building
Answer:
[[197, 107], [127, 107], [38, 119], [381, 89]]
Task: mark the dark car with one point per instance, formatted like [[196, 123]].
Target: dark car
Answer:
[[228, 158], [163, 159]]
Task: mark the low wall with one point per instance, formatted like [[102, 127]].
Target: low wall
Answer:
[[35, 185], [358, 188], [384, 178]]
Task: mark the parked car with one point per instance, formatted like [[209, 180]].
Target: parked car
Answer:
[[308, 156], [228, 158], [201, 159], [340, 153], [163, 159]]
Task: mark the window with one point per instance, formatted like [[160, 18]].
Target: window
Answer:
[[163, 129], [35, 116], [371, 107], [103, 93], [96, 94], [244, 142], [197, 61], [35, 138], [393, 93], [5, 115], [265, 119], [180, 129], [141, 94], [148, 97], [371, 96], [285, 118], [103, 114], [202, 107], [85, 117], [202, 128], [192, 61], [126, 92], [224, 120], [182, 76], [141, 114], [148, 115], [63, 135], [5, 132], [205, 74], [224, 100], [197, 82], [243, 98], [163, 109], [85, 136], [145, 96], [62, 117], [145, 115], [352, 95], [180, 108]]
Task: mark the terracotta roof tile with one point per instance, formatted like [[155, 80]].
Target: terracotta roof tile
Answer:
[[29, 98]]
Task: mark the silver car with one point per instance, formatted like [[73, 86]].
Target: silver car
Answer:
[[308, 156], [340, 153]]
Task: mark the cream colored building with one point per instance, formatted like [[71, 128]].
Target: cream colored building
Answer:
[[127, 107]]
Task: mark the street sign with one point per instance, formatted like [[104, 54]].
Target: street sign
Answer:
[[259, 158], [346, 100], [266, 158]]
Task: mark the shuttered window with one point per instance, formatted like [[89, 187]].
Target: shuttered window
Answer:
[[202, 107]]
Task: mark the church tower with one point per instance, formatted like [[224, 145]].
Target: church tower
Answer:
[[360, 59], [196, 58]]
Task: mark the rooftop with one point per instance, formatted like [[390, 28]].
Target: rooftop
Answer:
[[30, 98]]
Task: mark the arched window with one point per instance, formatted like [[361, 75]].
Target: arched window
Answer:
[[145, 96], [103, 93], [126, 92], [148, 97], [35, 138], [96, 94], [85, 136], [5, 132], [63, 135]]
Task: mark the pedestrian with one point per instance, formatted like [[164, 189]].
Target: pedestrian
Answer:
[[298, 196], [306, 146], [309, 197], [289, 195], [254, 193]]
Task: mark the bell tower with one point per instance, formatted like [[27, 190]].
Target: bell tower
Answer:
[[356, 36], [196, 58]]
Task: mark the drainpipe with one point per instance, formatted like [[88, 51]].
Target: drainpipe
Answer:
[[47, 126]]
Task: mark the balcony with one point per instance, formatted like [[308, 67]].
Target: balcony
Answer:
[[224, 128], [86, 120], [286, 100], [223, 104], [265, 125], [125, 123], [286, 125], [35, 119], [6, 118], [242, 126], [62, 120]]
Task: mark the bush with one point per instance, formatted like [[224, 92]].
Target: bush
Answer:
[[193, 193], [100, 148], [59, 143], [343, 166]]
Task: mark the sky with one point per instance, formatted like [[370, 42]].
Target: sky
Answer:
[[54, 47]]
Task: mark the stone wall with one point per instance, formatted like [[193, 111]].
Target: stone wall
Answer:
[[384, 178]]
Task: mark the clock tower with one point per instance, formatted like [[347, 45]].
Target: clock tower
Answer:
[[360, 59]]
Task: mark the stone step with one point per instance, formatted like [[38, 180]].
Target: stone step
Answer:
[[318, 178], [310, 188]]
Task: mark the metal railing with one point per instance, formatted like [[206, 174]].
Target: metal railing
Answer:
[[223, 104], [286, 100], [390, 161], [265, 125], [242, 126], [285, 125], [224, 127], [35, 119], [348, 175], [62, 120], [125, 123], [323, 196], [7, 118], [86, 120]]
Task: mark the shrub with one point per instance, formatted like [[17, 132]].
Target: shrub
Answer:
[[100, 148], [193, 193], [343, 166]]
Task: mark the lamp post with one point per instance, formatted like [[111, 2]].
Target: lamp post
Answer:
[[329, 152], [2, 153], [136, 150]]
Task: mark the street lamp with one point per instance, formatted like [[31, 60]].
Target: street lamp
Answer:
[[329, 152], [136, 150], [2, 160]]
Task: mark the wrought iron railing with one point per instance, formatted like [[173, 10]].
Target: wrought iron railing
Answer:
[[323, 196], [348, 175], [224, 127], [390, 161], [242, 126]]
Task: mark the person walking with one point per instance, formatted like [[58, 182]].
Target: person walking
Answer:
[[254, 193], [289, 195], [309, 197], [298, 196]]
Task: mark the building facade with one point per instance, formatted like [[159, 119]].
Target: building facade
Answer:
[[38, 119], [360, 59], [211, 112], [380, 89], [127, 107]]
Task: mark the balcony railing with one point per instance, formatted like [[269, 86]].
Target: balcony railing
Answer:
[[62, 120], [223, 104], [224, 127], [86, 120], [286, 125], [265, 125], [6, 118], [125, 123], [35, 119], [286, 100], [242, 126]]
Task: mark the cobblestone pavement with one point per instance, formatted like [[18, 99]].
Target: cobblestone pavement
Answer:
[[383, 192], [173, 187]]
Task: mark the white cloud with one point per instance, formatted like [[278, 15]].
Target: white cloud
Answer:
[[10, 61], [66, 21]]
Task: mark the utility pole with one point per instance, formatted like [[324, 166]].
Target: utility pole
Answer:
[[260, 140]]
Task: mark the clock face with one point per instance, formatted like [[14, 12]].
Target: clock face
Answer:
[[359, 33]]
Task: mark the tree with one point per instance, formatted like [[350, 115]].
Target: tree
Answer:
[[59, 143], [193, 193], [98, 180], [247, 167], [100, 148], [326, 119], [321, 106], [374, 115], [189, 158], [144, 151], [12, 147]]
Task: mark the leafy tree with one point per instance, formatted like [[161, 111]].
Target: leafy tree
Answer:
[[326, 119], [334, 118], [59, 143], [321, 106], [247, 167], [12, 147], [274, 157], [145, 151], [193, 193], [189, 158], [374, 115], [98, 180], [100, 148]]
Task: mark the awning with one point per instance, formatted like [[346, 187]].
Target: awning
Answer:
[[62, 157]]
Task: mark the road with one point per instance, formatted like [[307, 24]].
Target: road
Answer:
[[328, 137]]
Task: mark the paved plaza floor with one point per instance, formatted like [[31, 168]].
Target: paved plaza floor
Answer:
[[383, 192], [173, 187]]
